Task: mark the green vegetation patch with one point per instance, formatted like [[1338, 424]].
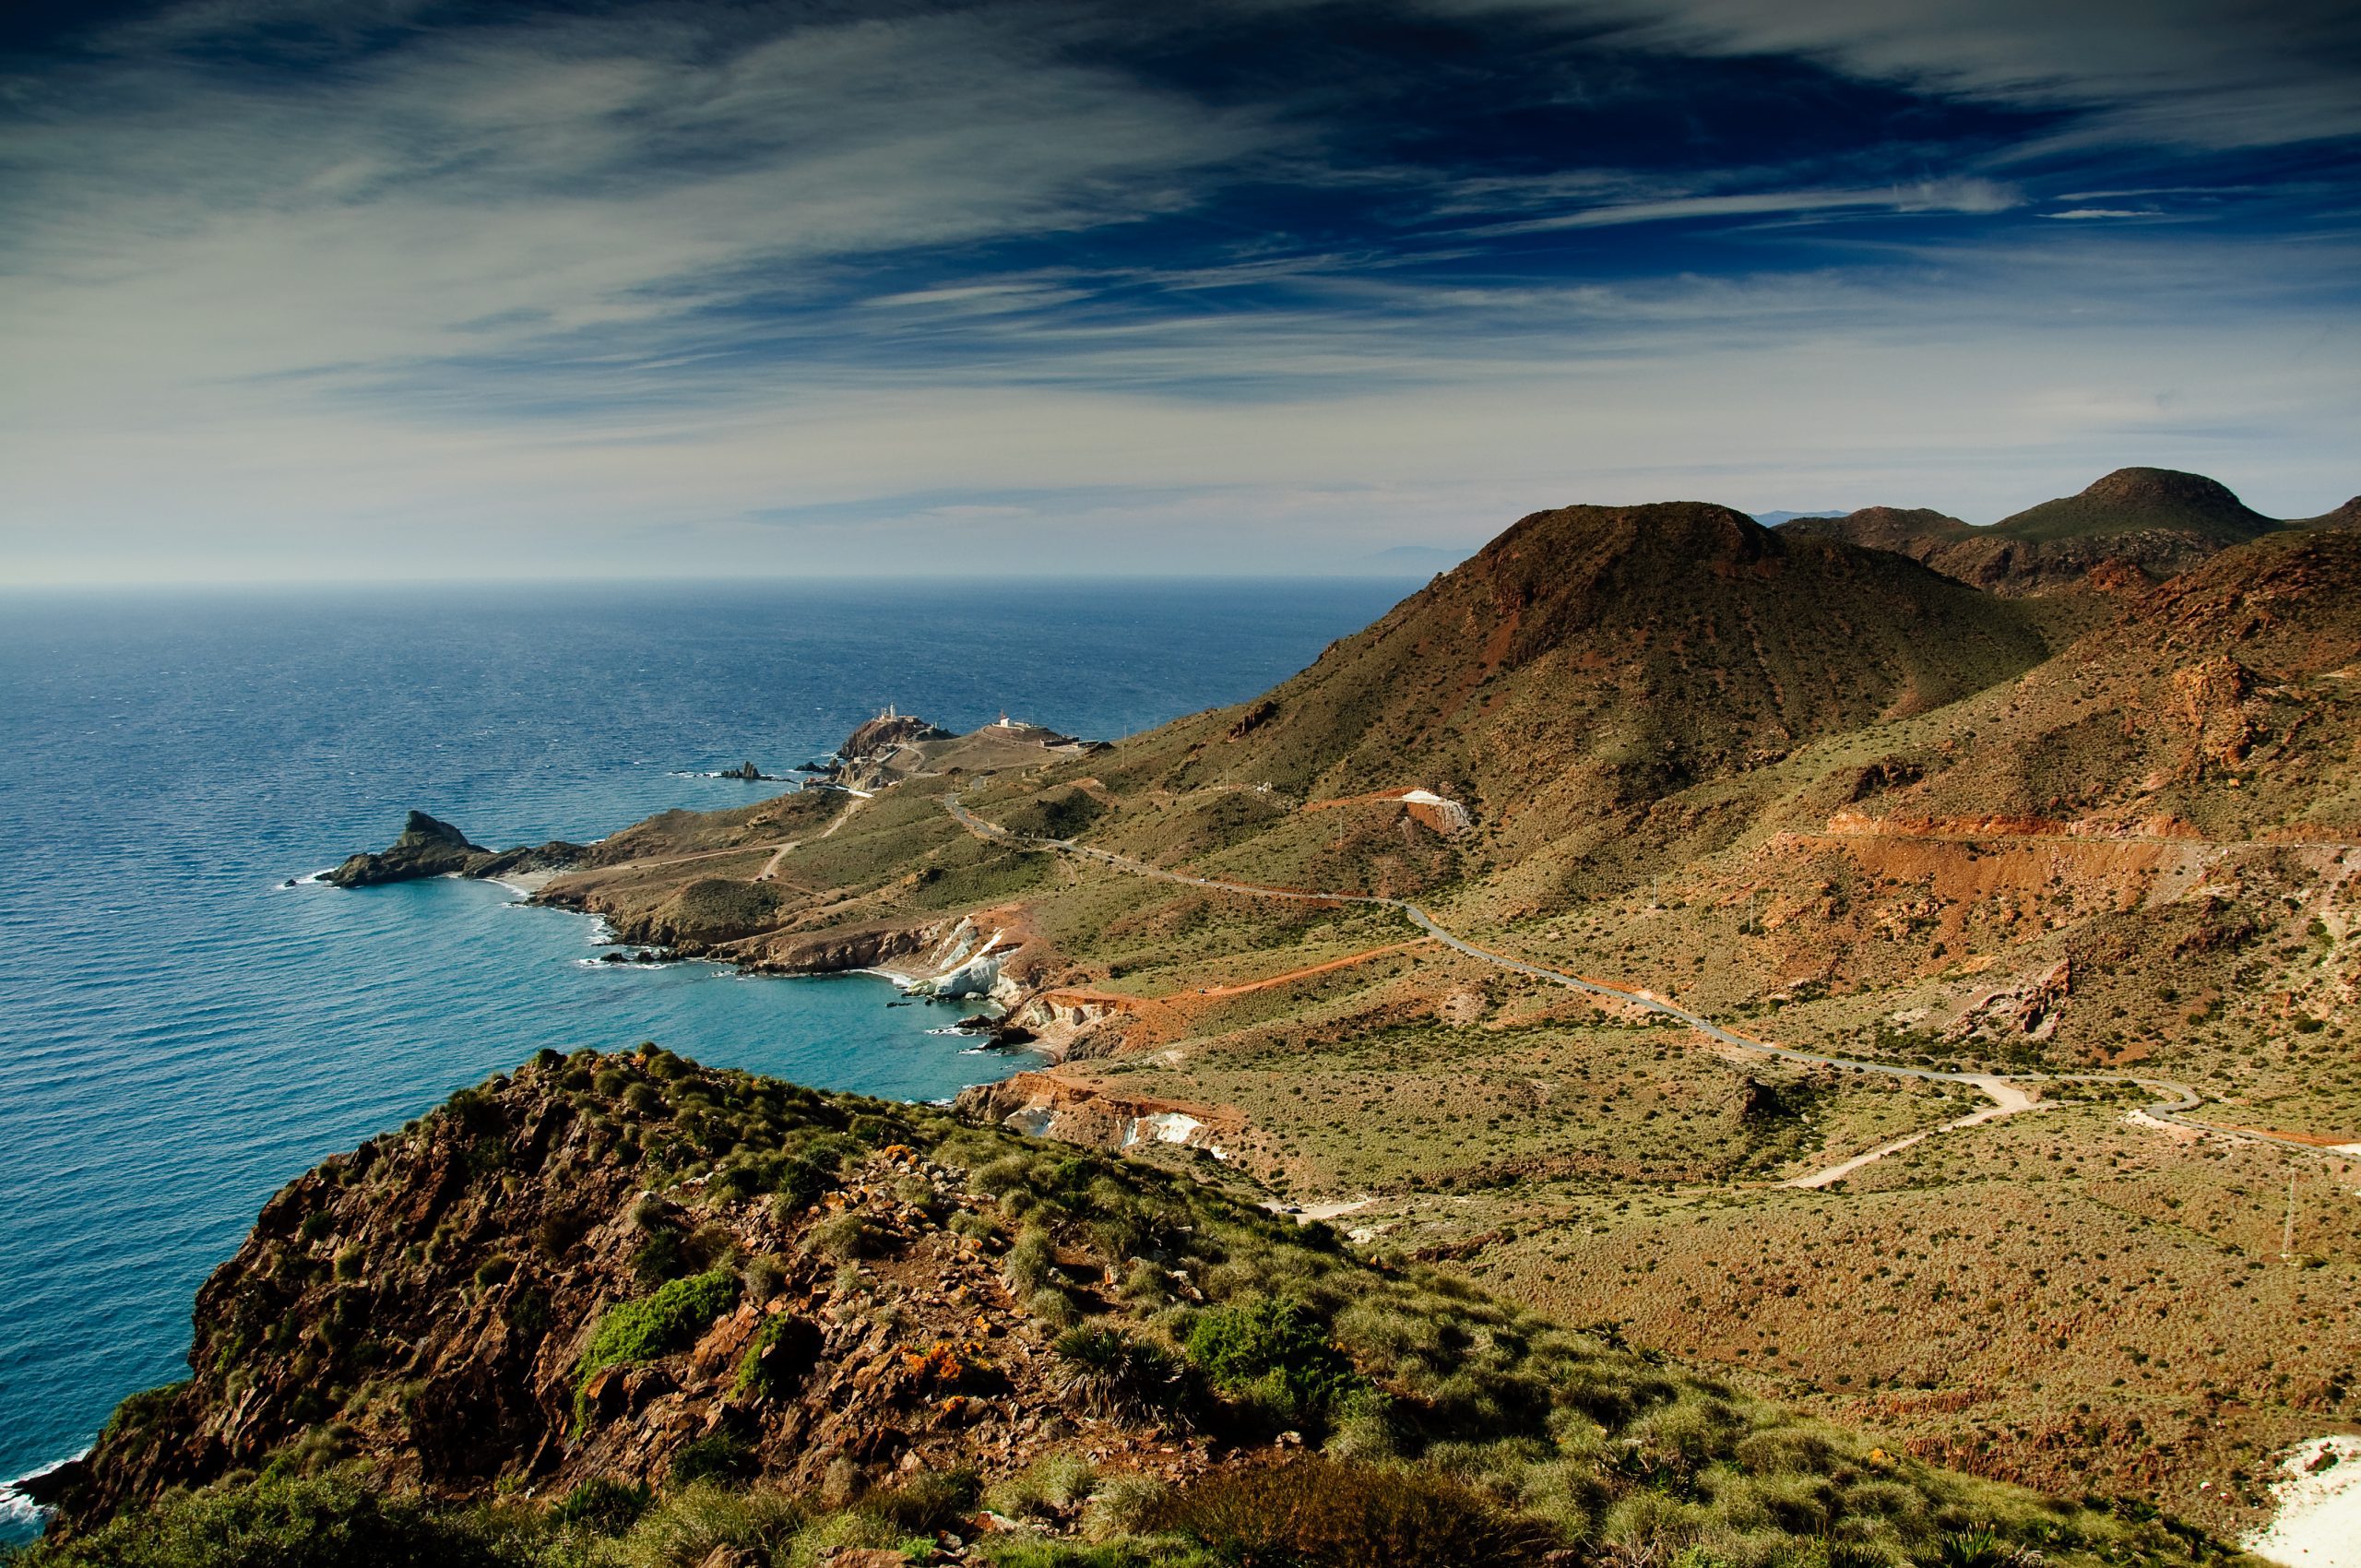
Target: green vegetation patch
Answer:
[[1275, 1355], [654, 1325]]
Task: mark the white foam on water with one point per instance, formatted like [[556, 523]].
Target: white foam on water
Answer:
[[15, 1508]]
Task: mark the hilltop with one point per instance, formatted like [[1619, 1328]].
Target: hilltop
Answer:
[[628, 1309], [2156, 522]]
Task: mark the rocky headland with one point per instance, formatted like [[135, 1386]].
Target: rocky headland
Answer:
[[625, 1310]]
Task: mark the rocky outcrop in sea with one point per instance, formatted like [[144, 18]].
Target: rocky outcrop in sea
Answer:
[[430, 846]]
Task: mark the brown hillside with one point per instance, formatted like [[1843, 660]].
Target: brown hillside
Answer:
[[1593, 658], [2346, 517], [2156, 521], [2224, 698]]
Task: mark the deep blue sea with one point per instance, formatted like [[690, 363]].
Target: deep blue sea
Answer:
[[180, 1035]]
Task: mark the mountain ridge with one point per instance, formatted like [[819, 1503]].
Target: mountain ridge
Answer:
[[2156, 521]]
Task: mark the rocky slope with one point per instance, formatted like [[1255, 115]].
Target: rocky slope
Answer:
[[605, 1274], [1592, 658]]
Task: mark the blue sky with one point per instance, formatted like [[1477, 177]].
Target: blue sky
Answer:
[[329, 288]]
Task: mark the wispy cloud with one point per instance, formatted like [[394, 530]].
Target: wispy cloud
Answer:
[[296, 286], [1967, 195]]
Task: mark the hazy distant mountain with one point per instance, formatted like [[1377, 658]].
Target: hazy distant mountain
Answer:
[[1779, 519]]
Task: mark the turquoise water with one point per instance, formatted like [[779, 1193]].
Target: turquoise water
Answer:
[[180, 1035]]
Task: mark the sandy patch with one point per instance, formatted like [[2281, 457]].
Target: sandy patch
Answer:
[[2318, 1523], [2172, 1131]]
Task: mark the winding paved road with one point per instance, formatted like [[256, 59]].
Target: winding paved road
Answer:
[[1998, 1087]]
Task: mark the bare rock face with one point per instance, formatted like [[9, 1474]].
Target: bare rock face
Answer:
[[885, 732], [2028, 1008]]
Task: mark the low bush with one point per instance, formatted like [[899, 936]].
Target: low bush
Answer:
[[1111, 1373], [718, 1458], [780, 1357], [283, 1522], [654, 1325], [1273, 1355]]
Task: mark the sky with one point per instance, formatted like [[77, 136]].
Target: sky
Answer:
[[391, 290]]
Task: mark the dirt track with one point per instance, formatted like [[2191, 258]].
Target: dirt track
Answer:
[[2007, 1100]]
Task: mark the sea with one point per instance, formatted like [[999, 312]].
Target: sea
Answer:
[[181, 1033]]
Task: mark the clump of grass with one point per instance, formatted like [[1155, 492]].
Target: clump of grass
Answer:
[[1112, 1373], [845, 1237], [1031, 1262], [1052, 1485], [604, 1505]]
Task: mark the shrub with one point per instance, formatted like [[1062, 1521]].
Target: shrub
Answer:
[[655, 1325], [766, 1276], [717, 1456], [1271, 1353], [1323, 1514], [284, 1522], [659, 1257], [559, 1232], [780, 1357]]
